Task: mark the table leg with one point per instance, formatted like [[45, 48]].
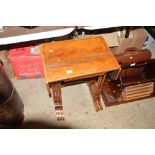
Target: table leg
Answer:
[[48, 89], [95, 95], [95, 87], [56, 90], [100, 83]]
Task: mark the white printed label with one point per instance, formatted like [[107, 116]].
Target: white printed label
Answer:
[[50, 51], [69, 71], [132, 64]]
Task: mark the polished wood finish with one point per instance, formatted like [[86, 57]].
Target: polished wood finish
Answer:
[[56, 90], [131, 88], [112, 94], [137, 91], [95, 87], [133, 55], [75, 60]]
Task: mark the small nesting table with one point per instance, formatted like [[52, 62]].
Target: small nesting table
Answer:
[[73, 61]]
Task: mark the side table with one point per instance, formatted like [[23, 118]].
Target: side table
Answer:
[[71, 61]]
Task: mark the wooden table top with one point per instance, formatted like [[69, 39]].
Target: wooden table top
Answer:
[[72, 59]]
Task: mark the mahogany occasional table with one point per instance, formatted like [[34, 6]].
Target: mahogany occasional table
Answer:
[[73, 61]]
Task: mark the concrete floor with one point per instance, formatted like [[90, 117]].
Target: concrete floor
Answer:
[[78, 106], [79, 110]]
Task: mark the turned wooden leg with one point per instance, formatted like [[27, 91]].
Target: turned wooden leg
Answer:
[[93, 87], [100, 83], [96, 87], [48, 89], [56, 90]]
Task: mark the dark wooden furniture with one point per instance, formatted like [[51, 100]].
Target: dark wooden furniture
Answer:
[[135, 82], [71, 61], [132, 55]]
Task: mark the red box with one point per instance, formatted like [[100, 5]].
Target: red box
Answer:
[[26, 64]]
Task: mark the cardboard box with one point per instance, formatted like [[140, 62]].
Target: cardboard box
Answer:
[[26, 63], [136, 39], [110, 38]]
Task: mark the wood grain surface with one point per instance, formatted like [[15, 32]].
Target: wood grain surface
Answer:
[[77, 58]]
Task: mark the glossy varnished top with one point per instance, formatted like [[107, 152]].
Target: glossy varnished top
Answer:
[[77, 59]]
